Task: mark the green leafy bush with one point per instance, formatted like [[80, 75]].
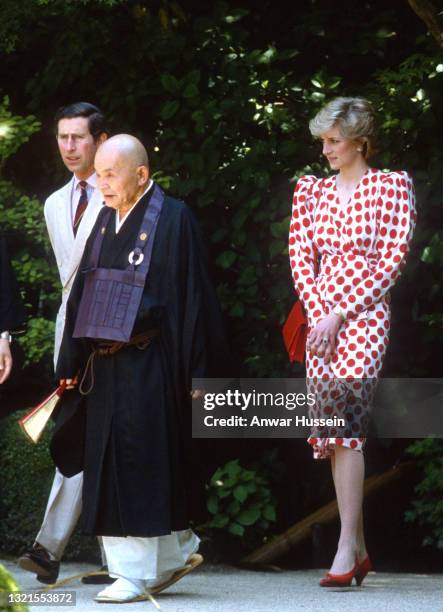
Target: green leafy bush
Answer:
[[25, 479], [427, 507], [38, 342], [224, 107], [241, 502], [23, 223], [222, 93], [8, 584], [14, 130]]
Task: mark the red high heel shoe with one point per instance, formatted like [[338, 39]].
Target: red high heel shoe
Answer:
[[364, 567], [341, 580]]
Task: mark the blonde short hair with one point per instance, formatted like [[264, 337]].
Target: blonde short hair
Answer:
[[354, 117]]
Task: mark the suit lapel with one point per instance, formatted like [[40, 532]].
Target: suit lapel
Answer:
[[64, 212], [60, 229]]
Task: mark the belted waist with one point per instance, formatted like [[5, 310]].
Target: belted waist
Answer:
[[340, 272], [141, 341], [105, 348]]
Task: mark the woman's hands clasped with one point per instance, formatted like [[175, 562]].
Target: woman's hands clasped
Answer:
[[322, 338]]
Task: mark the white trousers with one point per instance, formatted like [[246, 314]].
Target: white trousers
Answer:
[[149, 558], [62, 513]]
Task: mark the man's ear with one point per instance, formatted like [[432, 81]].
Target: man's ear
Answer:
[[101, 139], [143, 175]]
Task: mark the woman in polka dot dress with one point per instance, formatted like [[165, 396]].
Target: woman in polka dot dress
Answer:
[[349, 238]]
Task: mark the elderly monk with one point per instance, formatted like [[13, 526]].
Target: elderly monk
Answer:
[[142, 321]]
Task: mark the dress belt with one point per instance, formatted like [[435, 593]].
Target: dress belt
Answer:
[[105, 348]]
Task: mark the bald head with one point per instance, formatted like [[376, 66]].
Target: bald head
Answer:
[[128, 147], [122, 171]]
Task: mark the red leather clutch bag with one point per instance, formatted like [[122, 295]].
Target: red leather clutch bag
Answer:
[[295, 331]]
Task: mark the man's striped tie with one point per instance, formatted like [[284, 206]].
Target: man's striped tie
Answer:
[[81, 206]]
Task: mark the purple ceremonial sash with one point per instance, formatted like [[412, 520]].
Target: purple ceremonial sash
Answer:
[[111, 298]]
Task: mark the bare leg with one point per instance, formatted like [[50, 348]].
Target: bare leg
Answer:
[[348, 473], [361, 545]]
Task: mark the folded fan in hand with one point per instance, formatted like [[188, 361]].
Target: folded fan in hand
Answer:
[[34, 421]]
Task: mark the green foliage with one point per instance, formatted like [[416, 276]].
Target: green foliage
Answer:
[[241, 502], [22, 221], [222, 94], [25, 479], [409, 99], [225, 110], [38, 342], [9, 585], [432, 256], [14, 130], [427, 507]]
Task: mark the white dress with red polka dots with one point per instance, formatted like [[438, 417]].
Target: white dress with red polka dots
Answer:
[[362, 249]]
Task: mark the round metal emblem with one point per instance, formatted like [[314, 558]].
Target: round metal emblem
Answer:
[[135, 257]]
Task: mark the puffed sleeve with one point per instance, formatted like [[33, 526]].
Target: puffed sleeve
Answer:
[[395, 219], [302, 253]]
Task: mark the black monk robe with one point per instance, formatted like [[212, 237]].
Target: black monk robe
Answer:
[[138, 412]]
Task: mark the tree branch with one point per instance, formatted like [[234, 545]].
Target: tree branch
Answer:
[[427, 13]]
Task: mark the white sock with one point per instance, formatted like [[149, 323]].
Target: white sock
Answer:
[[127, 584]]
